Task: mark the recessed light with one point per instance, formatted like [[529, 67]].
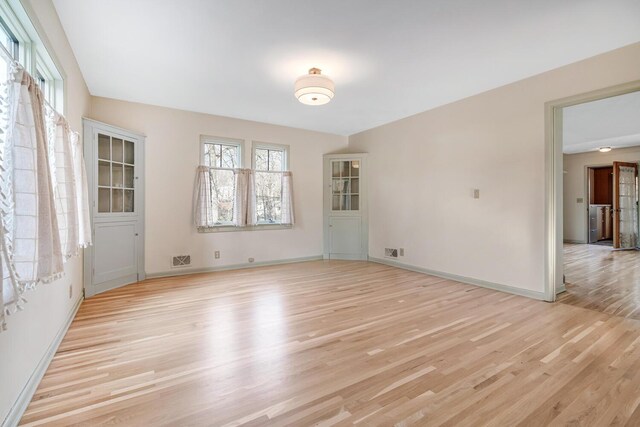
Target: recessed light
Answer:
[[604, 149]]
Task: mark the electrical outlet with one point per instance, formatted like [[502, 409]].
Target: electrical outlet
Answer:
[[216, 254], [401, 251], [70, 291], [251, 259]]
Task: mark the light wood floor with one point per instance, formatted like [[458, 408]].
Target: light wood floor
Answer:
[[599, 278], [337, 343]]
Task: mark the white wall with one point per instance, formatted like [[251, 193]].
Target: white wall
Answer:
[[575, 186], [172, 155], [423, 170], [31, 332]]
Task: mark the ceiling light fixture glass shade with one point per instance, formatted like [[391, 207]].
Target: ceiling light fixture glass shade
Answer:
[[604, 149], [314, 88]]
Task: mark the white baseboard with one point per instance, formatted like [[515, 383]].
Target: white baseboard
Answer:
[[25, 396], [188, 270], [468, 280]]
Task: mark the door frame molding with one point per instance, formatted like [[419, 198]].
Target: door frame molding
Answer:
[[554, 233], [88, 126], [364, 202]]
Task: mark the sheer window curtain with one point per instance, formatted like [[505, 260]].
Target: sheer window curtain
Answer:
[[288, 217], [244, 209], [203, 209], [64, 185], [39, 191]]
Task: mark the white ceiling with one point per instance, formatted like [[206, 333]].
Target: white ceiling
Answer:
[[389, 59], [610, 122]]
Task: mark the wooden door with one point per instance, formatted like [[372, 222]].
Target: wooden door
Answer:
[[625, 205]]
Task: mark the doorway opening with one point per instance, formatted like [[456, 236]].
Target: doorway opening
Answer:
[[597, 138], [600, 223]]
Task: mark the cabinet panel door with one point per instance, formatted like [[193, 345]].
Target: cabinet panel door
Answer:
[[345, 235]]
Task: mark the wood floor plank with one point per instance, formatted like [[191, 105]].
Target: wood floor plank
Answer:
[[337, 343], [601, 279]]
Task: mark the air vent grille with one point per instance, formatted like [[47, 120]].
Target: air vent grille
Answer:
[[390, 253], [181, 261]]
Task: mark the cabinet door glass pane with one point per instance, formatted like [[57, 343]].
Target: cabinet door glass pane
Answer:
[[128, 200], [346, 185], [335, 188], [355, 168], [128, 176], [355, 203], [104, 200], [335, 169], [345, 203], [117, 175], [335, 205], [345, 168], [355, 185], [104, 174], [116, 200], [129, 152], [104, 147], [116, 150]]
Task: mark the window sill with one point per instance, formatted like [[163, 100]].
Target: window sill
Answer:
[[231, 228]]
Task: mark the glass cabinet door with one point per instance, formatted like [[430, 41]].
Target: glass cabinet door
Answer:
[[116, 175], [345, 185]]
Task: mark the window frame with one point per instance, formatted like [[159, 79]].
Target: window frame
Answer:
[[214, 140], [15, 44], [204, 139], [32, 51], [257, 145]]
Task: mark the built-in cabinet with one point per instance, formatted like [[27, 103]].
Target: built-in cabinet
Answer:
[[115, 171], [345, 207]]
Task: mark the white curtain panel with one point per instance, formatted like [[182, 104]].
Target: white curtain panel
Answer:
[[628, 208], [31, 236], [64, 184], [240, 204], [244, 209], [43, 191], [288, 217], [203, 210], [252, 215]]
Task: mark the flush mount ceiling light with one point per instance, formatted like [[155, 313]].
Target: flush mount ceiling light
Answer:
[[604, 149], [314, 88]]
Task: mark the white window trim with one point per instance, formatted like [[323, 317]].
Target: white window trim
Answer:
[[269, 146], [240, 143], [33, 54], [207, 139]]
